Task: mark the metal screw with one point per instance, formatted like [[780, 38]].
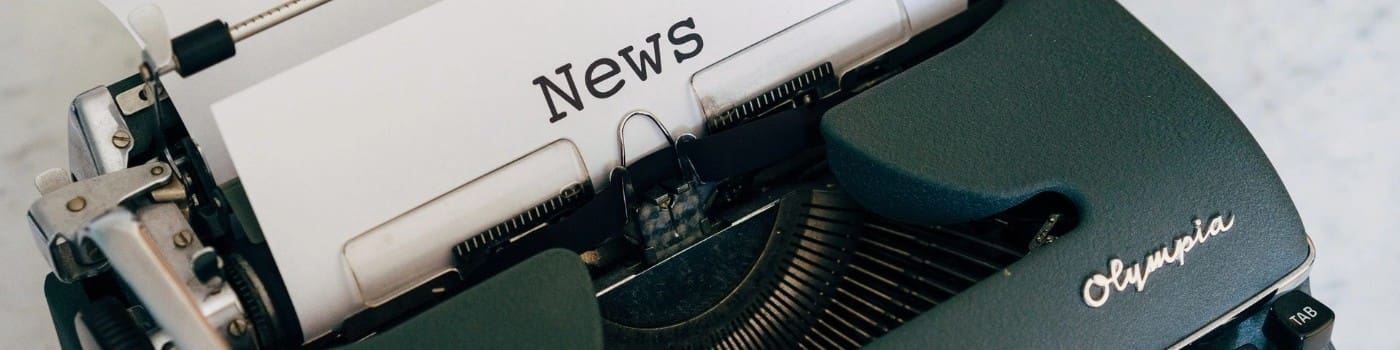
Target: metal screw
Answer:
[[121, 139], [238, 327], [157, 170], [77, 204], [183, 239]]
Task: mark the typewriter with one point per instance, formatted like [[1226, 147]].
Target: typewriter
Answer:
[[817, 174]]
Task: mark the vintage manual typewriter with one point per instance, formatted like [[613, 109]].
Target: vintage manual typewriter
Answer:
[[815, 174]]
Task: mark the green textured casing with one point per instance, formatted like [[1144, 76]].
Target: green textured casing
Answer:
[[545, 302], [1074, 97]]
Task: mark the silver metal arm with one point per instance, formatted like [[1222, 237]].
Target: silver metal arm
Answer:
[[61, 212], [134, 256]]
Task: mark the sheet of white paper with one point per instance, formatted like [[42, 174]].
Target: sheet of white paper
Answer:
[[365, 132], [260, 57]]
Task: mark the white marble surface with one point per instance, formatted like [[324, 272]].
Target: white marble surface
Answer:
[[49, 52], [1313, 80]]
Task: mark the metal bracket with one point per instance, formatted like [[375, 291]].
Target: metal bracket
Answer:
[[63, 211], [136, 99], [98, 138]]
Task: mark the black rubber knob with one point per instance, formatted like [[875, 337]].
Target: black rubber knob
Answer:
[[202, 47], [206, 265]]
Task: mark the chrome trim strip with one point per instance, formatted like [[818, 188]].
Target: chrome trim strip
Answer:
[[1288, 282]]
